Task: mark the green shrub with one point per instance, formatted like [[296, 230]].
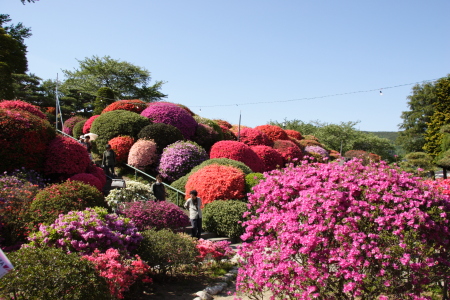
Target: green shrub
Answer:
[[61, 198], [179, 184], [224, 217], [212, 124], [78, 129], [115, 123], [51, 274], [167, 250], [162, 134], [251, 180]]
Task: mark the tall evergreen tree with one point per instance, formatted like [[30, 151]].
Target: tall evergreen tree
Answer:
[[105, 96]]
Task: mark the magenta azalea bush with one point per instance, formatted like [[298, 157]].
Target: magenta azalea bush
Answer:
[[70, 123], [179, 158], [344, 232], [22, 105], [85, 231], [155, 215], [88, 179], [174, 115], [88, 124], [143, 153]]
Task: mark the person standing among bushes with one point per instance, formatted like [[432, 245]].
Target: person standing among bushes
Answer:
[[88, 145], [158, 189], [193, 205], [109, 161]]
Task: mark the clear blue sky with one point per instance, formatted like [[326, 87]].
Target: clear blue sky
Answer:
[[214, 53]]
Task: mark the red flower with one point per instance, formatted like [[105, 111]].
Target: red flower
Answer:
[[288, 150], [237, 151], [88, 179], [294, 134], [18, 104], [273, 132], [134, 105], [121, 146], [88, 124], [271, 158]]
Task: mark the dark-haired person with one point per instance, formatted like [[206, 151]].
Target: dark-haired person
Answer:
[[193, 205], [109, 161], [158, 189]]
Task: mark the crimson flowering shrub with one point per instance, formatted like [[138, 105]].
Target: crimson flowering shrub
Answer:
[[121, 146], [290, 151], [70, 123], [228, 135], [331, 231], [162, 134], [134, 105], [97, 172], [88, 124], [179, 158], [155, 215], [214, 250], [142, 154], [273, 132], [205, 136], [88, 179], [22, 105], [120, 273], [88, 230], [294, 134], [215, 182], [270, 157], [66, 156], [173, 115], [23, 138], [237, 151], [254, 137]]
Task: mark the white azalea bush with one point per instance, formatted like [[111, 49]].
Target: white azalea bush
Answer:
[[134, 191]]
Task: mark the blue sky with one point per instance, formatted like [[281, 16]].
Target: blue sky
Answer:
[[218, 56]]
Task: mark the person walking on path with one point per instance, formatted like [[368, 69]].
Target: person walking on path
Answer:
[[158, 189], [109, 161], [193, 205], [87, 142]]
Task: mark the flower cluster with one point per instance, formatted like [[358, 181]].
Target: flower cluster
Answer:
[[22, 105], [271, 158], [318, 150], [168, 113], [70, 123], [223, 123], [273, 132], [237, 151], [155, 215], [293, 134], [88, 124], [88, 179], [214, 250], [289, 150], [121, 146], [120, 273], [348, 230], [135, 105], [134, 191], [66, 156], [88, 230], [215, 182], [179, 158], [254, 137], [143, 153]]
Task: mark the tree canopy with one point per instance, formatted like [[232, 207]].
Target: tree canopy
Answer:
[[126, 80]]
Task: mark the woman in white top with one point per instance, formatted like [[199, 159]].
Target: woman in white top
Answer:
[[193, 205]]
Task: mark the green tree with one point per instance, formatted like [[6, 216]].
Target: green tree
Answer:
[[126, 80], [419, 163], [105, 96], [297, 125]]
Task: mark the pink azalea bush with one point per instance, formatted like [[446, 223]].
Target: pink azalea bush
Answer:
[[70, 123], [22, 105], [237, 151], [254, 137], [270, 157], [331, 231], [88, 179], [88, 124], [143, 153], [214, 250]]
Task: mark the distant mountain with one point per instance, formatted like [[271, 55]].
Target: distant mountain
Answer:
[[390, 135]]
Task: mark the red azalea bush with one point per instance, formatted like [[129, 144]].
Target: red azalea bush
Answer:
[[237, 151], [223, 123], [331, 231], [143, 153], [254, 137], [88, 179], [97, 172], [121, 146], [215, 182], [22, 105], [70, 123], [271, 158], [66, 156], [174, 115], [293, 133], [88, 124], [289, 150], [273, 132], [228, 135], [134, 105], [24, 139]]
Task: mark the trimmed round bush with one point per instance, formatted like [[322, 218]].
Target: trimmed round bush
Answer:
[[134, 105], [142, 154], [228, 135], [273, 132], [23, 138], [88, 179], [305, 143], [216, 182], [252, 180], [271, 158], [237, 151], [223, 123], [179, 184], [318, 150], [290, 151], [205, 136], [121, 146], [172, 115], [22, 105], [155, 215], [179, 158], [225, 217], [88, 124], [61, 198], [78, 129], [70, 123], [116, 123], [360, 228], [167, 250], [66, 156], [254, 137], [97, 172], [211, 123], [224, 162], [51, 274], [134, 191], [293, 134], [334, 154], [162, 134]]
